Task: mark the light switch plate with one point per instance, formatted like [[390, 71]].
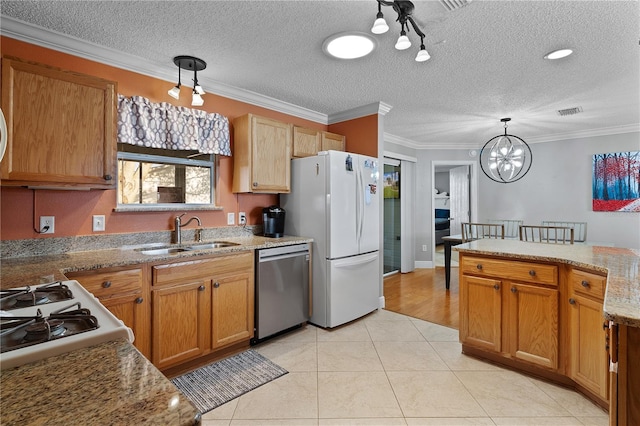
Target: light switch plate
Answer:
[[231, 218], [98, 223]]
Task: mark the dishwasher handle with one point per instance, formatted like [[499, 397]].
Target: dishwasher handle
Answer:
[[283, 256]]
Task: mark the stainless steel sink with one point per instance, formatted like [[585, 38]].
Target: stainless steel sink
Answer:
[[193, 247]]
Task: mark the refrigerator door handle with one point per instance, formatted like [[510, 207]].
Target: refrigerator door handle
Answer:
[[361, 190], [357, 262]]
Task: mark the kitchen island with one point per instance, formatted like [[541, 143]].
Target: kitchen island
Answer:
[[561, 312]]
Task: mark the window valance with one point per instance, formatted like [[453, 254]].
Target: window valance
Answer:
[[163, 125]]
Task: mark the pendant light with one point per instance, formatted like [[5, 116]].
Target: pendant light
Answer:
[[505, 158], [189, 63]]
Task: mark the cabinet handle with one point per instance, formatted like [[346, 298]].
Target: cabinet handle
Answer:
[[106, 284], [201, 288], [216, 285], [107, 177], [139, 300], [496, 286], [572, 301], [532, 273], [514, 290], [479, 266], [585, 284]]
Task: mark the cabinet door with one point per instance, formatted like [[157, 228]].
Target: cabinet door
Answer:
[[233, 309], [589, 359], [306, 142], [533, 324], [60, 127], [332, 141], [181, 322], [271, 154], [481, 312], [134, 310]]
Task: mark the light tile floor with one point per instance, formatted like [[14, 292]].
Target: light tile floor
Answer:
[[390, 369]]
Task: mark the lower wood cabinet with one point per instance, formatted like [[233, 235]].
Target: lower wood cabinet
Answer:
[[200, 306], [625, 384], [124, 293]]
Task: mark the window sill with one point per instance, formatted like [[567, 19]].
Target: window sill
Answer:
[[165, 208]]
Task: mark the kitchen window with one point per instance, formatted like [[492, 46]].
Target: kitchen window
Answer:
[[155, 177]]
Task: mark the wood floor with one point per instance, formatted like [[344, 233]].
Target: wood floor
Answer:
[[421, 294]]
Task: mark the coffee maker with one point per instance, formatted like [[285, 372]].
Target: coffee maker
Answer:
[[273, 221]]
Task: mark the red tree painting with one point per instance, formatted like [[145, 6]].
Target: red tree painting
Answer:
[[616, 182]]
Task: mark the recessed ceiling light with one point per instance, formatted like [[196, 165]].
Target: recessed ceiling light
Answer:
[[350, 45], [558, 54]]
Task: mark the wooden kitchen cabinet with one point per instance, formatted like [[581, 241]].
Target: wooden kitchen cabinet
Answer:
[[510, 308], [306, 142], [123, 293], [624, 409], [332, 141], [61, 127], [201, 306], [262, 153], [589, 360]]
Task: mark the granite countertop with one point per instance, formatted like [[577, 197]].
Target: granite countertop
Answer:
[[110, 383], [621, 265], [31, 270]]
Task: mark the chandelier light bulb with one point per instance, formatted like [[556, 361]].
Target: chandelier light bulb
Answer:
[[196, 99], [380, 25], [403, 42], [422, 55], [199, 90], [174, 92]]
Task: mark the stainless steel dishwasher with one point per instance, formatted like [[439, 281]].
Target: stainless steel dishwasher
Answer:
[[282, 289]]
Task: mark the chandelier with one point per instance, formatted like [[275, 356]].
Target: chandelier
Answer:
[[189, 63], [505, 158], [404, 9]]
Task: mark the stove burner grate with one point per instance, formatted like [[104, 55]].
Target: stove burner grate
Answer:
[[27, 296], [44, 330]]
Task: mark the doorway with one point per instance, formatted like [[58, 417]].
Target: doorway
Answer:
[[392, 216]]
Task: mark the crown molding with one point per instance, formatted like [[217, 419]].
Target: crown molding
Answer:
[[362, 111], [33, 34], [581, 134]]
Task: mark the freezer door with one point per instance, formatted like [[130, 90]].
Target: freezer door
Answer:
[[342, 201], [369, 209], [353, 288]]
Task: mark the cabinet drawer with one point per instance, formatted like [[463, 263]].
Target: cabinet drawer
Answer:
[[587, 283], [107, 284], [197, 269], [511, 270]]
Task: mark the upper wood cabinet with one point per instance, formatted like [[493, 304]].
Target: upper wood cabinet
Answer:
[[332, 141], [61, 127], [262, 150], [308, 142]]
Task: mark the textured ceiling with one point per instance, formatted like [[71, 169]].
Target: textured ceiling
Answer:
[[486, 59]]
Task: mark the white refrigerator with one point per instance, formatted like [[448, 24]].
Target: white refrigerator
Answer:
[[335, 199]]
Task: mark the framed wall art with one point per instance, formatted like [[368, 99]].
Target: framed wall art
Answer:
[[616, 182]]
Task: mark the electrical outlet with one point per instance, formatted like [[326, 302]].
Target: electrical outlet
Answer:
[[231, 218], [424, 247], [98, 223], [47, 221], [242, 218]]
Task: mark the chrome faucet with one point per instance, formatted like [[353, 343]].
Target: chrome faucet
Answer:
[[179, 225]]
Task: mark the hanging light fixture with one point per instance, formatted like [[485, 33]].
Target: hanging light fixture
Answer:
[[404, 9], [505, 158], [189, 63]]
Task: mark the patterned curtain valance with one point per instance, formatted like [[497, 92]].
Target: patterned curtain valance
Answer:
[[163, 125]]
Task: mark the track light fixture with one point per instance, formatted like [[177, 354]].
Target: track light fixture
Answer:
[[404, 9], [505, 158], [189, 63]]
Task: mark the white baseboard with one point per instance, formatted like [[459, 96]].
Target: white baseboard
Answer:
[[424, 264], [381, 302]]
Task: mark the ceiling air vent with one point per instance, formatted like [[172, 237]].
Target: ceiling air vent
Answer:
[[570, 111], [451, 5]]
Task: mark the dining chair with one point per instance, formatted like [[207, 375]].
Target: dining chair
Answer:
[[475, 231], [579, 229], [546, 234], [511, 226]]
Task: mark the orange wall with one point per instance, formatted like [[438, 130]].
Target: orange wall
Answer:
[[20, 208], [361, 134]]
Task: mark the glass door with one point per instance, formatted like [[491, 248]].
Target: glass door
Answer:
[[392, 217]]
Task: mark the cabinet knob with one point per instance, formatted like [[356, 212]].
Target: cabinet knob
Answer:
[[106, 284], [585, 284], [139, 300], [216, 285], [514, 290], [532, 273], [572, 301], [201, 288], [107, 177], [479, 266], [496, 286], [605, 325], [255, 183]]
